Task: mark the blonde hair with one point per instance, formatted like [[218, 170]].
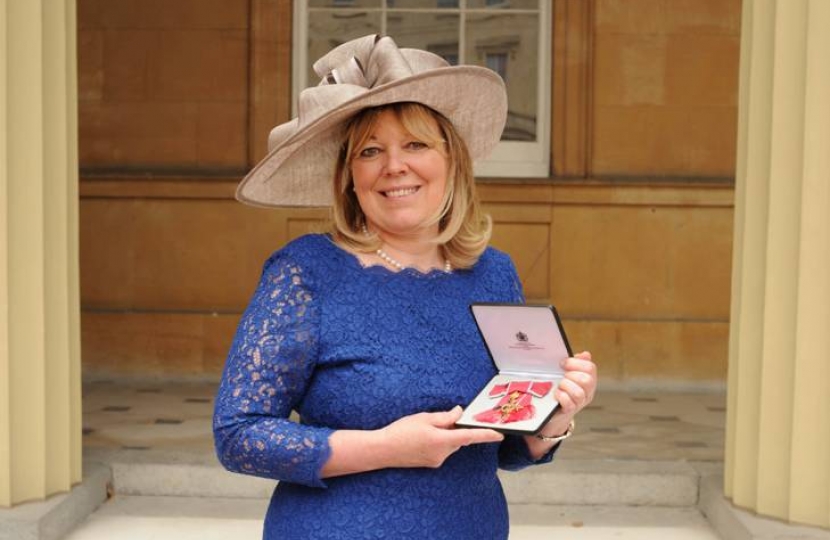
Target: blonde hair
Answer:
[[463, 228]]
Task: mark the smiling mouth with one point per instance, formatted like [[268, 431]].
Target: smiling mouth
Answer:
[[402, 192]]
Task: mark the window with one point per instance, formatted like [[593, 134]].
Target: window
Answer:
[[498, 63], [511, 37]]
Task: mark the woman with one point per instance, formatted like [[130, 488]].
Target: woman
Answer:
[[366, 332]]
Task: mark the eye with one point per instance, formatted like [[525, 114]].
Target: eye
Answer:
[[416, 145], [369, 152]]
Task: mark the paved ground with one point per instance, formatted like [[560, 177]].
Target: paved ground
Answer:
[[629, 426], [170, 423], [151, 518], [142, 528]]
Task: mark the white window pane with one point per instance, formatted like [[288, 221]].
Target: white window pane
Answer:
[[422, 4], [509, 44], [503, 4], [433, 32], [328, 29], [497, 61], [345, 3], [495, 34]]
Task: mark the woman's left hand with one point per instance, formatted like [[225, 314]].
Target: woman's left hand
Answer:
[[575, 391], [578, 386]]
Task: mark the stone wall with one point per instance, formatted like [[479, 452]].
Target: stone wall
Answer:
[[176, 98]]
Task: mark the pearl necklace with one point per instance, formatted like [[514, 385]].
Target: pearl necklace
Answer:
[[397, 264]]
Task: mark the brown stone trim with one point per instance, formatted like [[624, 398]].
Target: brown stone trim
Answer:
[[157, 188], [603, 194], [587, 192], [572, 90], [269, 78]]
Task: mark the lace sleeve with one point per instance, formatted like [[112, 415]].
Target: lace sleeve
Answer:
[[268, 368], [514, 454]]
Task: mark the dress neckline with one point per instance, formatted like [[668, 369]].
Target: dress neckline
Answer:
[[380, 269]]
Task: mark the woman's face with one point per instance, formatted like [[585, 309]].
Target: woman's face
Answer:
[[399, 180]]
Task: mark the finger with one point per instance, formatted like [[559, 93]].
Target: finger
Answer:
[[466, 437], [587, 382], [579, 364], [584, 355], [566, 404], [445, 419], [574, 392], [581, 378]]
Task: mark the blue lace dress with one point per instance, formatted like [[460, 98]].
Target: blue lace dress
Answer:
[[350, 347]]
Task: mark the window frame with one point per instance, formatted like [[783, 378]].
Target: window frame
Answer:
[[510, 159]]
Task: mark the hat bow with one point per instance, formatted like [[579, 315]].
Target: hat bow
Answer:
[[364, 73], [351, 70]]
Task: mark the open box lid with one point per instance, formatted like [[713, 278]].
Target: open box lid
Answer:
[[523, 339]]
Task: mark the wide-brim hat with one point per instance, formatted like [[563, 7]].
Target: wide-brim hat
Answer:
[[368, 72]]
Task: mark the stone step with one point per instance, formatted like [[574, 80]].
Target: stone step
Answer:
[[604, 482], [565, 482], [207, 518]]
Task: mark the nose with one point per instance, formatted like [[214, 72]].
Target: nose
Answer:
[[395, 164]]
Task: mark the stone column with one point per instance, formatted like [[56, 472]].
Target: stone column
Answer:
[[40, 413], [778, 420]]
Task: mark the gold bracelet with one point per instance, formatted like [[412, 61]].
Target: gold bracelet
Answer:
[[558, 438]]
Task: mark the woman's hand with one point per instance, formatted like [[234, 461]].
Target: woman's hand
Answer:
[[578, 386], [428, 439], [575, 391], [418, 440]]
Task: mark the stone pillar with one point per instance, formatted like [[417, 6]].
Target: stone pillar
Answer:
[[40, 379], [778, 420]]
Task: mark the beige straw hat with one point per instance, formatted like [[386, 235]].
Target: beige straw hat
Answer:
[[367, 72]]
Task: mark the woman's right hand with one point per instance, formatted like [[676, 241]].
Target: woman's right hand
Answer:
[[428, 439], [418, 440]]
